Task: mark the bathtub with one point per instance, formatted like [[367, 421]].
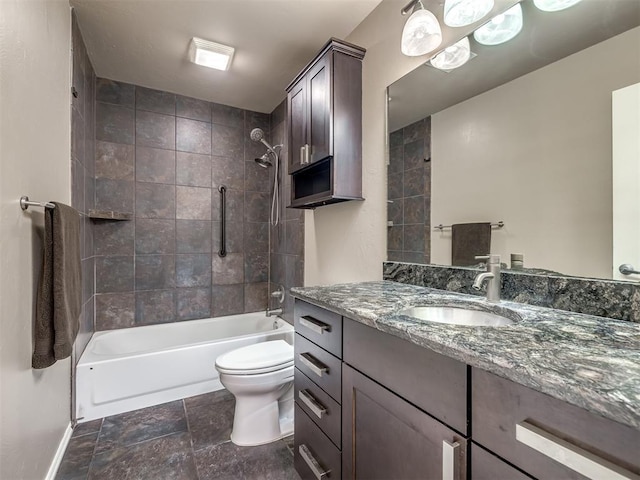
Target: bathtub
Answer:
[[127, 369]]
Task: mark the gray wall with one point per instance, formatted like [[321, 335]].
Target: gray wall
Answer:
[[409, 193], [161, 157], [82, 174], [287, 238]]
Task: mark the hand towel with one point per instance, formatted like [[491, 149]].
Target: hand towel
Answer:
[[469, 240], [59, 297]]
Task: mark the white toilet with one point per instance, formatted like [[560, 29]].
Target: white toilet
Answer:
[[260, 376]]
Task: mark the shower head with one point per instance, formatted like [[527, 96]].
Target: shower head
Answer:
[[257, 135], [264, 161]]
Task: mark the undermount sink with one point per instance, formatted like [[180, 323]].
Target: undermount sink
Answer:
[[458, 316]]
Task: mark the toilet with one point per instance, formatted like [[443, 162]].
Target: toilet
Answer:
[[260, 377]]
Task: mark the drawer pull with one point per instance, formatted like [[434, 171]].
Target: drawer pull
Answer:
[[314, 325], [313, 364], [450, 460], [310, 401], [569, 455], [312, 463]]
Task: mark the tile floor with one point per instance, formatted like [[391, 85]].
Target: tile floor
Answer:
[[186, 439]]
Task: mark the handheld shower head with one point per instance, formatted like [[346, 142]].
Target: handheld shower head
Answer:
[[257, 135]]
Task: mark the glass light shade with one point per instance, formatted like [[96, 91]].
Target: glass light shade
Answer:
[[554, 5], [421, 34], [454, 56], [460, 13], [500, 28]]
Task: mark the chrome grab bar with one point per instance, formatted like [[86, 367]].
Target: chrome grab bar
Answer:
[[223, 220]]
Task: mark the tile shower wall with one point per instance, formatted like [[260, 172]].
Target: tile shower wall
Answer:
[[409, 193], [287, 238], [82, 174], [162, 158]]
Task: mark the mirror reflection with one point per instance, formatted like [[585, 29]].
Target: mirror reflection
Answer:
[[520, 134]]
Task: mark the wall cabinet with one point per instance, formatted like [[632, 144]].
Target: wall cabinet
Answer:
[[325, 127]]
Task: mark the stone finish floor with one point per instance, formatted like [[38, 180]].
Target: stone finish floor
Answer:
[[186, 439]]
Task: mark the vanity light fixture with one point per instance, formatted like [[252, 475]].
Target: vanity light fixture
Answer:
[[421, 33], [554, 5], [210, 54], [454, 56], [460, 13], [501, 28]]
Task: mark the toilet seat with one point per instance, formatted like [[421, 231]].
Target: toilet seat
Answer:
[[255, 359]]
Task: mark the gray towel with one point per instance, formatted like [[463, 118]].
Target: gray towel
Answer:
[[59, 296], [469, 240]]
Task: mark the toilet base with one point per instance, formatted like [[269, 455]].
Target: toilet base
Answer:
[[258, 423]]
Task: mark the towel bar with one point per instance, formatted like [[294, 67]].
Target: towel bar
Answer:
[[441, 227], [26, 203]]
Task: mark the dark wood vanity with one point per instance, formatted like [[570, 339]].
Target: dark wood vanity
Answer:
[[370, 405], [325, 127]]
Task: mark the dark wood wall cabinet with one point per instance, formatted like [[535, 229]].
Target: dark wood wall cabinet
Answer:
[[370, 405], [325, 127]]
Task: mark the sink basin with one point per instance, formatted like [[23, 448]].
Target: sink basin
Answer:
[[457, 316]]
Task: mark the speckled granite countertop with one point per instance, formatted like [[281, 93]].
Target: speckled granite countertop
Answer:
[[591, 362]]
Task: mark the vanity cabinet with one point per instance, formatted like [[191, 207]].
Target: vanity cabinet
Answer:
[[318, 392], [549, 438], [386, 437], [370, 405], [325, 127]]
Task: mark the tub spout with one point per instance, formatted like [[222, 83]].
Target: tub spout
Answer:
[[275, 311]]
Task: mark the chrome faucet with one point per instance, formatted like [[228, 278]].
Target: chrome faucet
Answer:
[[492, 276]]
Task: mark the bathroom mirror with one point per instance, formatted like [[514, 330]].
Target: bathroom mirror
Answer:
[[520, 134]]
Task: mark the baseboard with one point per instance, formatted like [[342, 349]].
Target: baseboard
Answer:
[[57, 459]]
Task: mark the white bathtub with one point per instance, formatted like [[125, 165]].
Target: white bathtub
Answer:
[[127, 369]]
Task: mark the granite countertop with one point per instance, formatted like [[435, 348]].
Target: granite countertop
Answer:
[[588, 361]]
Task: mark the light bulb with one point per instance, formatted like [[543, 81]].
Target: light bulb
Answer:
[[501, 28], [554, 5], [421, 34], [460, 13], [454, 56]]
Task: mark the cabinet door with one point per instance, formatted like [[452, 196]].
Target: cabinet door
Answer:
[[297, 125], [320, 110], [385, 437]]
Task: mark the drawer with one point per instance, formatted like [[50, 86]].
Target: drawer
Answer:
[[313, 451], [433, 382], [321, 326], [486, 466], [529, 429], [319, 365], [321, 408]]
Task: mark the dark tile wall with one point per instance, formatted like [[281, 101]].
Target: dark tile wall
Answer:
[[592, 296], [162, 158], [82, 174], [287, 238], [409, 193]]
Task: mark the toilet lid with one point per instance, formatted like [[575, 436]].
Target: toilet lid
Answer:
[[260, 357]]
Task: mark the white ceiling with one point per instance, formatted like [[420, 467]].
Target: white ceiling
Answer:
[[145, 42]]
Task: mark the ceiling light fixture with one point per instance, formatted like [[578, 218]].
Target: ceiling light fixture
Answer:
[[501, 28], [422, 33], [554, 5], [460, 13], [454, 56], [210, 54]]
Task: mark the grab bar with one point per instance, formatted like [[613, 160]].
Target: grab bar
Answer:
[[223, 214]]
